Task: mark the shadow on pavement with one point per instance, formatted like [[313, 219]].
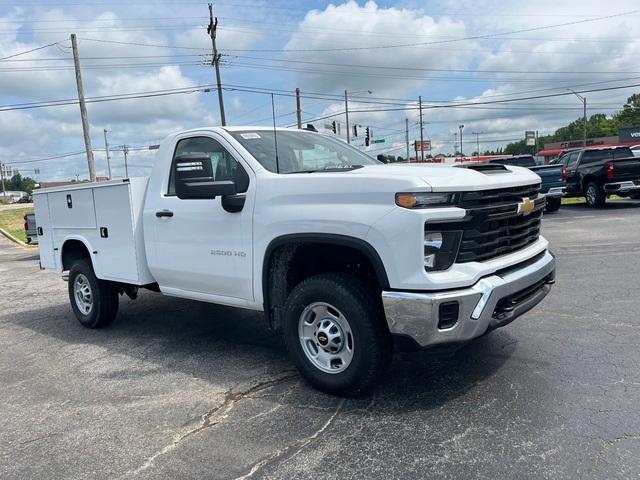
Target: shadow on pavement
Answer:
[[216, 343]]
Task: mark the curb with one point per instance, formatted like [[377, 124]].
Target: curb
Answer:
[[15, 240]]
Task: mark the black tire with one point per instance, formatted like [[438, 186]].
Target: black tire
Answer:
[[594, 195], [372, 347], [553, 204], [634, 196], [104, 297]]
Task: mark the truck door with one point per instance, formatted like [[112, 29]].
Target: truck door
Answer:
[[571, 162], [200, 247]]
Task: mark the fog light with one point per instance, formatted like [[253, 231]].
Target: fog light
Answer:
[[440, 249]]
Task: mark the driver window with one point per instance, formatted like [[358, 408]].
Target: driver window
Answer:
[[223, 165]]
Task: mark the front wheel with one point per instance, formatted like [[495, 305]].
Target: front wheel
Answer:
[[634, 196], [94, 301], [553, 204], [595, 195], [336, 335]]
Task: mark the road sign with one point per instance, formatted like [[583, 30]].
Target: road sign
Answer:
[[381, 140], [422, 146], [530, 138]]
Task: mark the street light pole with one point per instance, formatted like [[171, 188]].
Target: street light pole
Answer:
[[346, 114], [584, 116], [461, 154], [106, 147]]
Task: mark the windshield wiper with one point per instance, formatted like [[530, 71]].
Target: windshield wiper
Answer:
[[343, 168]]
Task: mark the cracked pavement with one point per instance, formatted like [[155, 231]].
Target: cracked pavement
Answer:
[[181, 389]]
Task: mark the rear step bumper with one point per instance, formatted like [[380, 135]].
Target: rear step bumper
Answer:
[[456, 316], [622, 187]]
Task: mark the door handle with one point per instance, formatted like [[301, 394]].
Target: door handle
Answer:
[[164, 213]]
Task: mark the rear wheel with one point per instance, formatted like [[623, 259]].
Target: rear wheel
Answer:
[[335, 334], [595, 195], [553, 204], [635, 196], [94, 302]]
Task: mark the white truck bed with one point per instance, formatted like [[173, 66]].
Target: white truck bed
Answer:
[[108, 216]]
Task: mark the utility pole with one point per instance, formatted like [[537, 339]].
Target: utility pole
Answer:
[[584, 121], [346, 114], [461, 154], [406, 137], [455, 143], [215, 61], [298, 109], [106, 148], [477, 134], [125, 151], [421, 131], [83, 110], [4, 194]]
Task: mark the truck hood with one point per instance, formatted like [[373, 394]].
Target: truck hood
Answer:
[[451, 177]]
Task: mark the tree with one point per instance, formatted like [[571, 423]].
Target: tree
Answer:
[[20, 183], [629, 116]]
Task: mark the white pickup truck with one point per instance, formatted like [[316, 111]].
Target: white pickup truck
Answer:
[[349, 258]]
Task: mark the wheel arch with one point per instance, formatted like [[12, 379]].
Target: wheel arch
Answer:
[[283, 248], [74, 248]]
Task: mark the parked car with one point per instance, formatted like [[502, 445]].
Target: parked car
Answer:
[[27, 199], [636, 150], [553, 178], [346, 256], [595, 173], [30, 229]]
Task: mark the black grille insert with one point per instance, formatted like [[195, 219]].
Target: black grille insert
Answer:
[[494, 224]]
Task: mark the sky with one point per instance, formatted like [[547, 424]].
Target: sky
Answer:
[[456, 55]]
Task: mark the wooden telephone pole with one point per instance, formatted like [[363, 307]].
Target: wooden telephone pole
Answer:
[[83, 110], [215, 61]]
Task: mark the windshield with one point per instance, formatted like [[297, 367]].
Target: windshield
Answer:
[[300, 151]]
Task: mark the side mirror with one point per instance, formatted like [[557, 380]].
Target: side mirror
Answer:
[[194, 178]]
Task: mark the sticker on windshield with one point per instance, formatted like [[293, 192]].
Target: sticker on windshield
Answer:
[[250, 136]]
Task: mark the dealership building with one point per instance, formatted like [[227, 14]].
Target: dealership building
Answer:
[[626, 136]]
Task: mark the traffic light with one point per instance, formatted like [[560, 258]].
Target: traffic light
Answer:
[[355, 130], [333, 127], [367, 137]]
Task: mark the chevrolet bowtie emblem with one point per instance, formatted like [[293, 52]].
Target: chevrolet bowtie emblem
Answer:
[[526, 206]]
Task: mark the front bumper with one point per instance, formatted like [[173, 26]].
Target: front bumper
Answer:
[[492, 302], [622, 187]]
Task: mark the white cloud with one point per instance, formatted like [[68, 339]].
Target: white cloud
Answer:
[[364, 26]]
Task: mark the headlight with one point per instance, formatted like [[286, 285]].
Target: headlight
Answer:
[[425, 200], [440, 249]]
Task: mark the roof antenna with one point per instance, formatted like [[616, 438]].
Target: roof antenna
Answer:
[[275, 134]]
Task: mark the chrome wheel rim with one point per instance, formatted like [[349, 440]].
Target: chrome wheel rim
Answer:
[[326, 337], [591, 195], [82, 294]]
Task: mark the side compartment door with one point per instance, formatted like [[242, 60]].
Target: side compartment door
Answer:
[[201, 247], [45, 233]]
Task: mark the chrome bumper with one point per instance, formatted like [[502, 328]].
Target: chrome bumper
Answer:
[[621, 187], [555, 192], [492, 302]]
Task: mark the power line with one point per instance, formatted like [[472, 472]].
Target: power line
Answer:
[[32, 50], [43, 159], [139, 44]]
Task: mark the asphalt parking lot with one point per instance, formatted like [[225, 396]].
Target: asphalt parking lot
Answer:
[[180, 389]]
